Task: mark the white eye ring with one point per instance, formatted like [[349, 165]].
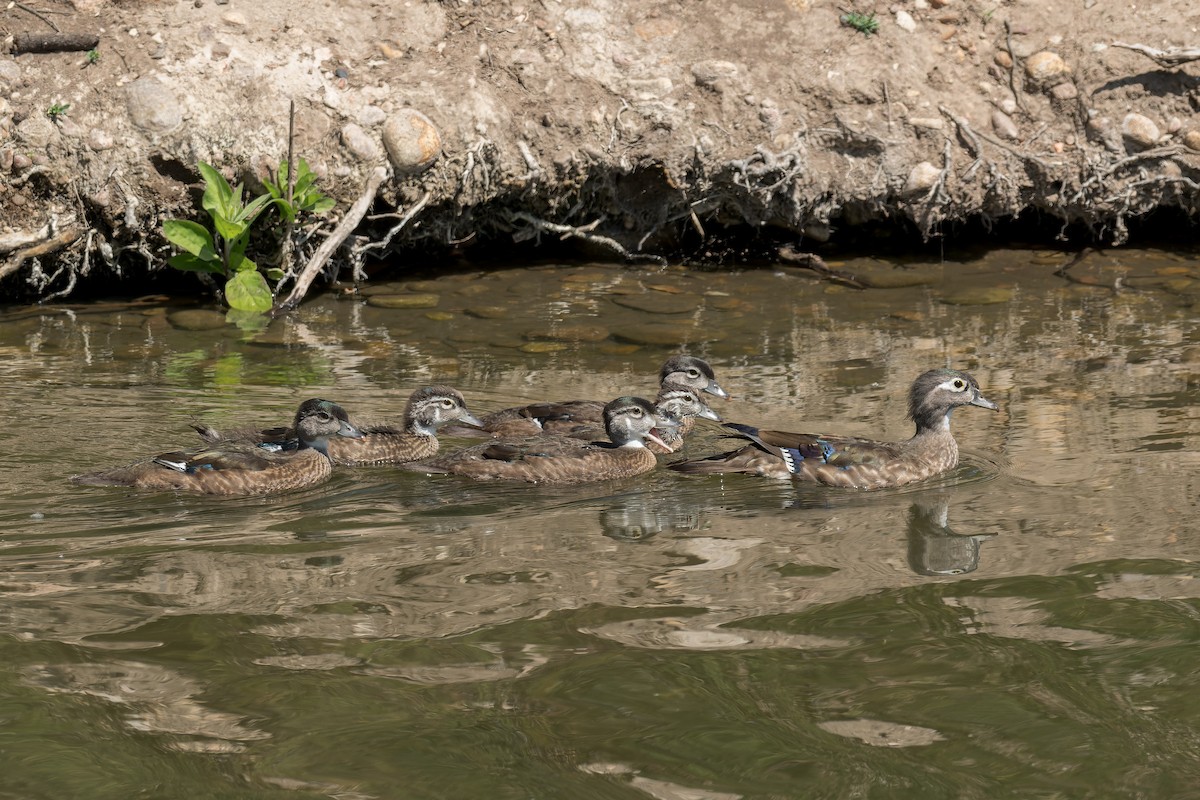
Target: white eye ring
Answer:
[[960, 384]]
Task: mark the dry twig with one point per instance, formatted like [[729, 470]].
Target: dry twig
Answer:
[[814, 262], [585, 232], [1171, 57]]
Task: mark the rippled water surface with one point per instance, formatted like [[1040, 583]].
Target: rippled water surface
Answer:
[[1025, 626]]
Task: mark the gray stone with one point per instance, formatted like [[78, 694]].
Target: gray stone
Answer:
[[99, 140], [928, 123], [1192, 140], [708, 73], [37, 131], [21, 161], [153, 106], [9, 71], [905, 21], [1004, 127], [360, 143], [370, 116], [412, 141], [1065, 91], [578, 332], [1139, 131]]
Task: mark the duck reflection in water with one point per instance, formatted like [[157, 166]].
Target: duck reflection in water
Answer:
[[934, 548], [638, 517]]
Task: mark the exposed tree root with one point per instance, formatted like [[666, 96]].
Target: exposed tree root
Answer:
[[1171, 57]]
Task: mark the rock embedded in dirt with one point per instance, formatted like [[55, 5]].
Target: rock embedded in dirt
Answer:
[[922, 178], [905, 21], [98, 140], [360, 143], [1139, 131], [153, 106], [1065, 91], [1004, 127], [1191, 139], [412, 141], [1046, 69], [36, 131]]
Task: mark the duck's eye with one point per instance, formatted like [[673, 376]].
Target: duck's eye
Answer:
[[693, 373], [959, 384], [447, 403]]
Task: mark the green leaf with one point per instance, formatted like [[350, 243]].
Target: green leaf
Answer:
[[275, 273], [286, 210], [217, 192], [190, 263], [322, 205], [251, 211], [250, 321], [248, 291], [242, 264], [228, 229], [191, 237]]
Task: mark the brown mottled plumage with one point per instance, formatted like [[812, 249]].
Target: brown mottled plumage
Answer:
[[428, 409], [676, 402], [548, 459], [242, 469], [858, 463], [568, 415]]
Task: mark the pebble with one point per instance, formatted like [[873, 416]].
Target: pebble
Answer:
[[196, 319], [486, 312], [439, 316], [1004, 127], [905, 21], [412, 141], [153, 106], [922, 178], [6, 159], [370, 116], [360, 143], [9, 71], [709, 73], [36, 131], [99, 140], [928, 123], [21, 161], [542, 347], [1046, 69], [1002, 59], [1192, 140], [1139, 130], [1065, 91], [404, 300]]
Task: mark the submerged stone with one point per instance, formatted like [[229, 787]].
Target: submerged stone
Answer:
[[666, 334], [979, 297], [581, 332], [196, 319], [659, 303], [403, 300]]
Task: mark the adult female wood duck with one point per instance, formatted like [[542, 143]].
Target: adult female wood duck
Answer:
[[564, 416], [560, 460], [428, 409], [242, 468], [858, 463], [674, 402]]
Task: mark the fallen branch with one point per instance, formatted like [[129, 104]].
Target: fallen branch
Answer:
[[404, 220], [53, 42], [346, 227], [585, 232], [1171, 57], [814, 262]]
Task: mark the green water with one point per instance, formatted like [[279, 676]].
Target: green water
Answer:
[[1025, 626]]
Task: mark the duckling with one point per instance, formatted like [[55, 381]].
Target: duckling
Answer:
[[676, 402], [858, 463], [560, 460], [242, 468], [562, 417], [428, 409]]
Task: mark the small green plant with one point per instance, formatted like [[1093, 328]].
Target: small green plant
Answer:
[[57, 110], [223, 252], [866, 24], [305, 197], [93, 56]]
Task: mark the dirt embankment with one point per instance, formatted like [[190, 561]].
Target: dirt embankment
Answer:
[[640, 126]]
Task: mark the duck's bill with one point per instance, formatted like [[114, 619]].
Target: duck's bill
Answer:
[[715, 389], [983, 402], [349, 431], [653, 437]]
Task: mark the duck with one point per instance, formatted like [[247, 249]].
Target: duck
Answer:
[[561, 460], [235, 468], [849, 462], [674, 401], [427, 410], [567, 415]]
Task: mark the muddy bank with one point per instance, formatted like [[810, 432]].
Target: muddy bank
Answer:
[[630, 126]]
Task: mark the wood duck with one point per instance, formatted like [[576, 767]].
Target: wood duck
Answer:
[[235, 468], [858, 463], [675, 402], [559, 460], [428, 409], [565, 416]]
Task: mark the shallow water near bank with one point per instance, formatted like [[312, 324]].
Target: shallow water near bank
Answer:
[[1025, 625]]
